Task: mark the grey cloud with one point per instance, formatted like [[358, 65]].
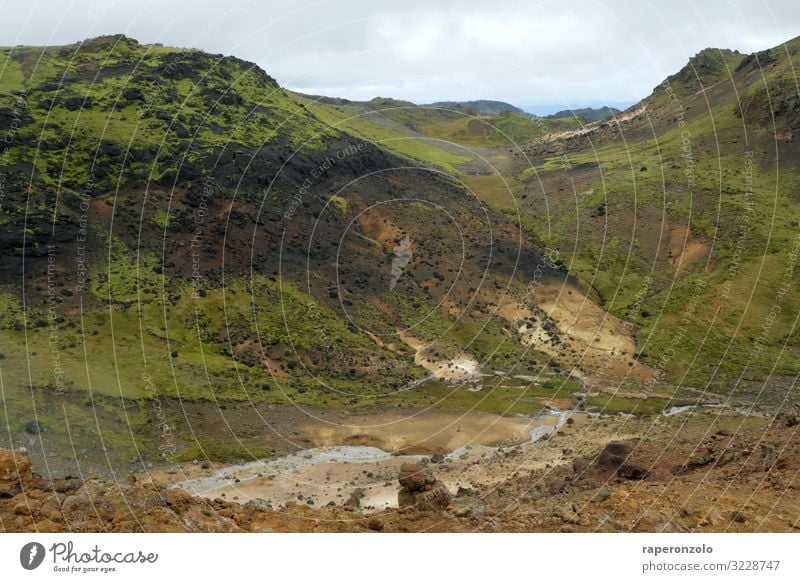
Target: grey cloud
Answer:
[[534, 53]]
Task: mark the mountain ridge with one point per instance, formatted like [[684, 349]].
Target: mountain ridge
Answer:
[[589, 113]]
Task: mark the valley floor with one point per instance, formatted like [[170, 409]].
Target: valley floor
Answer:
[[707, 469]]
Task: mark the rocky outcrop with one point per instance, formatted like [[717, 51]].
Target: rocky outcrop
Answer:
[[15, 472], [420, 489], [29, 502], [15, 468]]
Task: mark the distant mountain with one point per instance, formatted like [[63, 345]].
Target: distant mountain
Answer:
[[590, 113], [408, 129], [482, 106]]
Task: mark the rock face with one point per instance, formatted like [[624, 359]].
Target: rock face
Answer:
[[420, 489]]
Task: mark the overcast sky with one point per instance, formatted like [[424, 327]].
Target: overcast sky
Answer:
[[542, 55]]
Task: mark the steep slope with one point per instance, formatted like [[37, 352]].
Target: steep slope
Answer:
[[680, 215]]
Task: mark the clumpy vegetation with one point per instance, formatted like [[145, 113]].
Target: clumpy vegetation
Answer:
[[167, 110]]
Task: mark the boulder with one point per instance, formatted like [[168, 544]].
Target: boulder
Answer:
[[615, 453], [435, 498], [633, 472], [579, 466], [420, 489], [34, 427], [355, 498], [415, 477], [616, 457], [738, 517], [700, 461]]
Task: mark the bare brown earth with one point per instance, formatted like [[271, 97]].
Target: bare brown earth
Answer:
[[688, 472]]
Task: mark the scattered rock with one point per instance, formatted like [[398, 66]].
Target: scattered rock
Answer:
[[415, 477], [375, 524], [615, 453], [633, 472], [710, 517], [568, 515], [420, 489], [738, 517], [579, 466], [464, 491], [34, 427], [531, 496], [462, 510]]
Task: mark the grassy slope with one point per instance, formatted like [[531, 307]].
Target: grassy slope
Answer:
[[169, 102], [433, 135], [708, 335], [366, 124]]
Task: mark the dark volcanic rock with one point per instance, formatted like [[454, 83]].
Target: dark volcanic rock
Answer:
[[420, 489], [579, 466], [633, 472], [615, 454], [415, 477], [34, 427]]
